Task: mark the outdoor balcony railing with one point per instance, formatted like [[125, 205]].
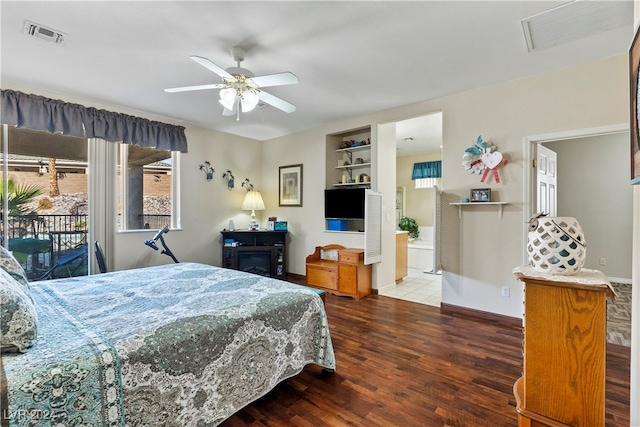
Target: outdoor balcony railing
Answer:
[[40, 242]]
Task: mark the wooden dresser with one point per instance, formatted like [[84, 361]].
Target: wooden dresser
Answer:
[[565, 327], [342, 274]]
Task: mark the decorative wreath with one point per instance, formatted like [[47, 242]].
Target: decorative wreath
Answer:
[[482, 157]]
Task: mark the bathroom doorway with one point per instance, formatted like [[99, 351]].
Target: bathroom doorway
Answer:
[[418, 140]]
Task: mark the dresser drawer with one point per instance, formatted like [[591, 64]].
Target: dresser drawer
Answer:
[[349, 257]]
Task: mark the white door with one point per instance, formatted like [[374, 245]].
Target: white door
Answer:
[[547, 181]]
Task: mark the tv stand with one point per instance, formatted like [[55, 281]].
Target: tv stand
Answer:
[[259, 252]]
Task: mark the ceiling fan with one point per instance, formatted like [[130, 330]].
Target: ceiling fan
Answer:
[[240, 89]]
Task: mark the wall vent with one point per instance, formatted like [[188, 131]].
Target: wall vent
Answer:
[[43, 33], [573, 21]]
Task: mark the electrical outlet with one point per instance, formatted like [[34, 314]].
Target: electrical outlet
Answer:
[[603, 261], [505, 291]]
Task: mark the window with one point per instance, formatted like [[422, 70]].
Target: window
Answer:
[[146, 196], [427, 174], [427, 182], [47, 200]]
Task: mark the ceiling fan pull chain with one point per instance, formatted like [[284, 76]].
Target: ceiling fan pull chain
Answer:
[[238, 115]]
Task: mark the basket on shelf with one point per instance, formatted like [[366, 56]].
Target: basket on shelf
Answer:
[[556, 245]]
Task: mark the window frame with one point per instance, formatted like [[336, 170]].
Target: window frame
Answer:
[[122, 194]]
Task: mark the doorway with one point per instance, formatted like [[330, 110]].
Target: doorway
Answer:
[[46, 185], [417, 140], [593, 187]]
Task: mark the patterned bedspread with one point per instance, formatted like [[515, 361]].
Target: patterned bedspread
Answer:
[[175, 345]]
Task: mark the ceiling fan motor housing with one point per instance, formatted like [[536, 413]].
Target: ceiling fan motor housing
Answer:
[[239, 71], [238, 54]]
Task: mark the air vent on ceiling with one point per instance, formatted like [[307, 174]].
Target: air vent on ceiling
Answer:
[[573, 21], [43, 33]]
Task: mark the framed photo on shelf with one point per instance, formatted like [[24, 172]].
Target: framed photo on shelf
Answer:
[[480, 195], [634, 104], [290, 185]]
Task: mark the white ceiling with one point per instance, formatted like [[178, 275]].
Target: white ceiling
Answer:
[[352, 57]]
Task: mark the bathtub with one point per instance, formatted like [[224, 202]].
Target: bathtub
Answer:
[[420, 253]]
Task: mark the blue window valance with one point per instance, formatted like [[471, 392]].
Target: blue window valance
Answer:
[[56, 116], [427, 170]]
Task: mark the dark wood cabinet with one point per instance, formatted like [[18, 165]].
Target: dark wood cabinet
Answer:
[[258, 252]]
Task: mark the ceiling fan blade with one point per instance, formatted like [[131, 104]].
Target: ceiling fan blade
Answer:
[[276, 102], [278, 79], [211, 66], [199, 87]]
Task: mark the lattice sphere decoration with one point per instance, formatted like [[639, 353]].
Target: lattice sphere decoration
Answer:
[[556, 245]]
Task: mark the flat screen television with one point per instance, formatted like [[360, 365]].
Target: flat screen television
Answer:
[[344, 203]]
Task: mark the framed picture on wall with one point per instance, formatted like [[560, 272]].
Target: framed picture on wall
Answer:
[[480, 195], [634, 103], [290, 185]]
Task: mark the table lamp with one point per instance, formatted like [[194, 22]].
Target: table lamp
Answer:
[[252, 202]]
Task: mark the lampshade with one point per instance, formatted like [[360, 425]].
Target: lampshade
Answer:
[[228, 98], [253, 201], [249, 100]]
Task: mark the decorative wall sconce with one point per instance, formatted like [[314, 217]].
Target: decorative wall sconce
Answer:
[[230, 180], [247, 184], [207, 169]]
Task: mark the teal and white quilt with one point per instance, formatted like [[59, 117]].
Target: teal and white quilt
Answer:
[[175, 345]]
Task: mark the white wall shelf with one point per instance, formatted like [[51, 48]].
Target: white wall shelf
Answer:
[[354, 166], [356, 148], [500, 205], [353, 184]]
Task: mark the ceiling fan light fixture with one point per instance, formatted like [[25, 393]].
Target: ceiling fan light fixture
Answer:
[[240, 89], [228, 98], [249, 100]]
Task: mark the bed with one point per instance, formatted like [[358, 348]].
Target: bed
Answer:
[[175, 345]]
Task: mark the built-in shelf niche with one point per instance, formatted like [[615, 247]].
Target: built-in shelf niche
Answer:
[[335, 167], [336, 156]]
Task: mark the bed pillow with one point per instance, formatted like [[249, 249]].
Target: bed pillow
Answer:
[[9, 264], [18, 316]]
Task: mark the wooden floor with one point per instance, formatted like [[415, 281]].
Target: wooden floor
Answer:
[[405, 364]]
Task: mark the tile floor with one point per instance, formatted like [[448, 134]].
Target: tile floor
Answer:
[[418, 286]]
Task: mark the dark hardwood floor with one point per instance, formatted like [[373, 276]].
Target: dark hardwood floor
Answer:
[[405, 364]]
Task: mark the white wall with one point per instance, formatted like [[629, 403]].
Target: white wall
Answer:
[[504, 114], [207, 206], [593, 187]]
